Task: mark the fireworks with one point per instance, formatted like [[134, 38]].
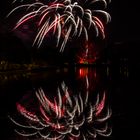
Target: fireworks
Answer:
[[65, 117], [65, 19]]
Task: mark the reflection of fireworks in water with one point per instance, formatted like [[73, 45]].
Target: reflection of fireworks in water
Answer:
[[65, 19], [68, 117]]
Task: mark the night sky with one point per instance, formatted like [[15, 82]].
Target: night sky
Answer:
[[125, 19], [123, 30]]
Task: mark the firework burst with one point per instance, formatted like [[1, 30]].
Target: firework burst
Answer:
[[66, 117], [65, 19]]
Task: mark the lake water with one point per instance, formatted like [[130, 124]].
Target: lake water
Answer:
[[117, 83]]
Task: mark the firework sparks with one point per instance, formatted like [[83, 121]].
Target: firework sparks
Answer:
[[65, 19], [66, 117]]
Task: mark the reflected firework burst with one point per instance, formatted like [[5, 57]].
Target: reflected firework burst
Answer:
[[65, 117], [65, 19]]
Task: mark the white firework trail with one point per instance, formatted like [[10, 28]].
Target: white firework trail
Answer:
[[65, 19], [67, 117]]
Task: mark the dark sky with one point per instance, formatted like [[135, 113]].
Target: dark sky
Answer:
[[124, 27], [125, 24], [125, 19]]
